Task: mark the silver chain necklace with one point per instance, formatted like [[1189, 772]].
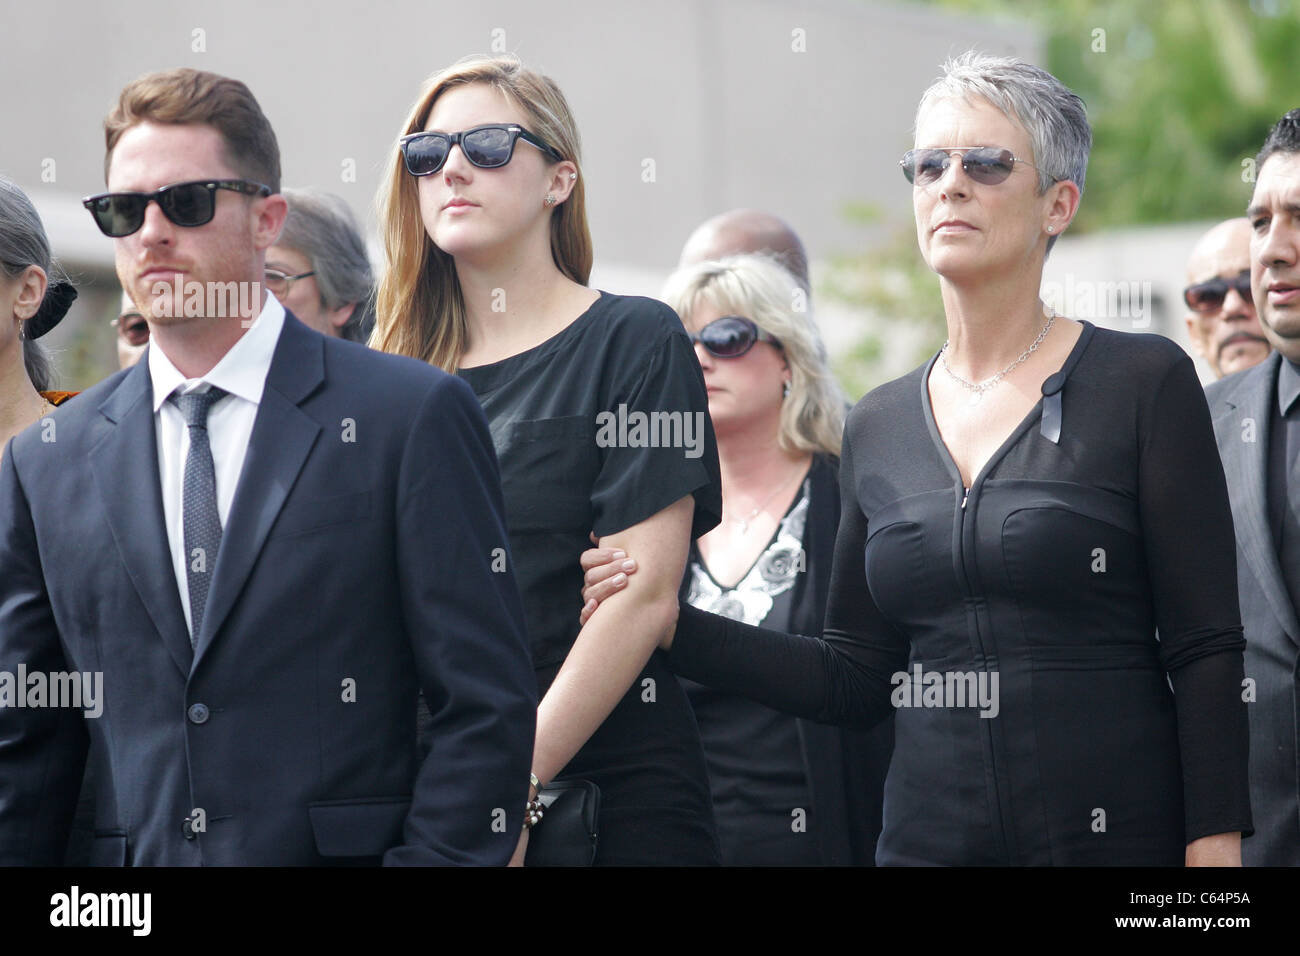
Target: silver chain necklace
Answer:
[[744, 522], [978, 389]]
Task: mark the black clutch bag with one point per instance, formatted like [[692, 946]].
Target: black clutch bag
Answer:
[[566, 835]]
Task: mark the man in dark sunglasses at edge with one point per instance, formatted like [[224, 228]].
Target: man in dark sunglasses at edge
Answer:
[[1221, 319], [1256, 415], [193, 529]]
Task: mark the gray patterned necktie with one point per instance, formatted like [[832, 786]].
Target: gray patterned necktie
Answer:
[[200, 520]]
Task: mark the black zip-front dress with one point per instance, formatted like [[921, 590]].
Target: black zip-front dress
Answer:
[[1102, 519]]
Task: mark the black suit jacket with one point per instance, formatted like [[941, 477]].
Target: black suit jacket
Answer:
[[1241, 407], [356, 568]]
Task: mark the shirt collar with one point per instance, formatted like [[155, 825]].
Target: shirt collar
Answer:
[[242, 370], [1288, 384]]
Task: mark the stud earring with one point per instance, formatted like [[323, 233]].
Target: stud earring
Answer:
[[1051, 229], [550, 200]]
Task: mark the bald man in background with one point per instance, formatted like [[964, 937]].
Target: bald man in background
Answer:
[[1222, 323], [742, 231]]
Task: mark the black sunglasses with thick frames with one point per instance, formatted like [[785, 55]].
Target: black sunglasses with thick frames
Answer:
[[732, 336], [488, 147], [187, 204]]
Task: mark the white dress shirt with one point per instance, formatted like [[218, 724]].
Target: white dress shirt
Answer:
[[241, 372]]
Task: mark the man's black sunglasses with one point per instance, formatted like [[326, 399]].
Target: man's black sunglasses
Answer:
[[1208, 296], [731, 336], [488, 147], [186, 204]]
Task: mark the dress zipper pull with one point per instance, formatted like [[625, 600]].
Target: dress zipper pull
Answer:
[[965, 493]]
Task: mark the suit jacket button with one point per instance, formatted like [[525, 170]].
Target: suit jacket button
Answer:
[[198, 713], [187, 828]]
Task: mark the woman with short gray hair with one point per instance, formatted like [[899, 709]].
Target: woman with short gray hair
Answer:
[[31, 303], [1020, 517]]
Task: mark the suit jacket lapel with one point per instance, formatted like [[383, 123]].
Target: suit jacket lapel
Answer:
[[1245, 464], [125, 467], [282, 438]]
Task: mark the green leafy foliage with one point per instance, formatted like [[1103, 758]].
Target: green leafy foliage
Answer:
[[1180, 95]]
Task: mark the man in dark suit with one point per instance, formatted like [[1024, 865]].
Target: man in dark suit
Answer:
[[267, 542], [1257, 421]]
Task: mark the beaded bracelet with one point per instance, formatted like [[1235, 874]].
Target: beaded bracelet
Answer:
[[533, 812], [534, 809]]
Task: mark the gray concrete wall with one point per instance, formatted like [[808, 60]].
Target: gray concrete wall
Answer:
[[797, 106]]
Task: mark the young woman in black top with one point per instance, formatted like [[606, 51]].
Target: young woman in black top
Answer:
[[599, 416], [1019, 518]]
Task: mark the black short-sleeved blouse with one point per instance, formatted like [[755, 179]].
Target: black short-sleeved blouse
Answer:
[[573, 420], [1102, 520], [599, 428]]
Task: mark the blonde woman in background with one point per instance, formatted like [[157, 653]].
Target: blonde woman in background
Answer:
[[786, 792]]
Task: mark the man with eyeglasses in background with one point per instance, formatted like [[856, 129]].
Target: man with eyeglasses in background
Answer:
[[132, 333], [1222, 323], [319, 269], [192, 534]]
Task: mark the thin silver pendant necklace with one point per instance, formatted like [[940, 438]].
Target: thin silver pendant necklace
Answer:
[[978, 390], [744, 522]]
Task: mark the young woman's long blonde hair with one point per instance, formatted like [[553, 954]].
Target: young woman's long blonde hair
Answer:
[[419, 309]]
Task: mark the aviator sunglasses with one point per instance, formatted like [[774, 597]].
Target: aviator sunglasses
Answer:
[[186, 204], [487, 147], [731, 336], [1208, 296], [989, 165]]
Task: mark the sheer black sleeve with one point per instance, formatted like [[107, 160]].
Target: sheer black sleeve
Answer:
[[842, 677], [1191, 555]]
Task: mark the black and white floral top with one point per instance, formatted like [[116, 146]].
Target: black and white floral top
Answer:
[[773, 574]]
